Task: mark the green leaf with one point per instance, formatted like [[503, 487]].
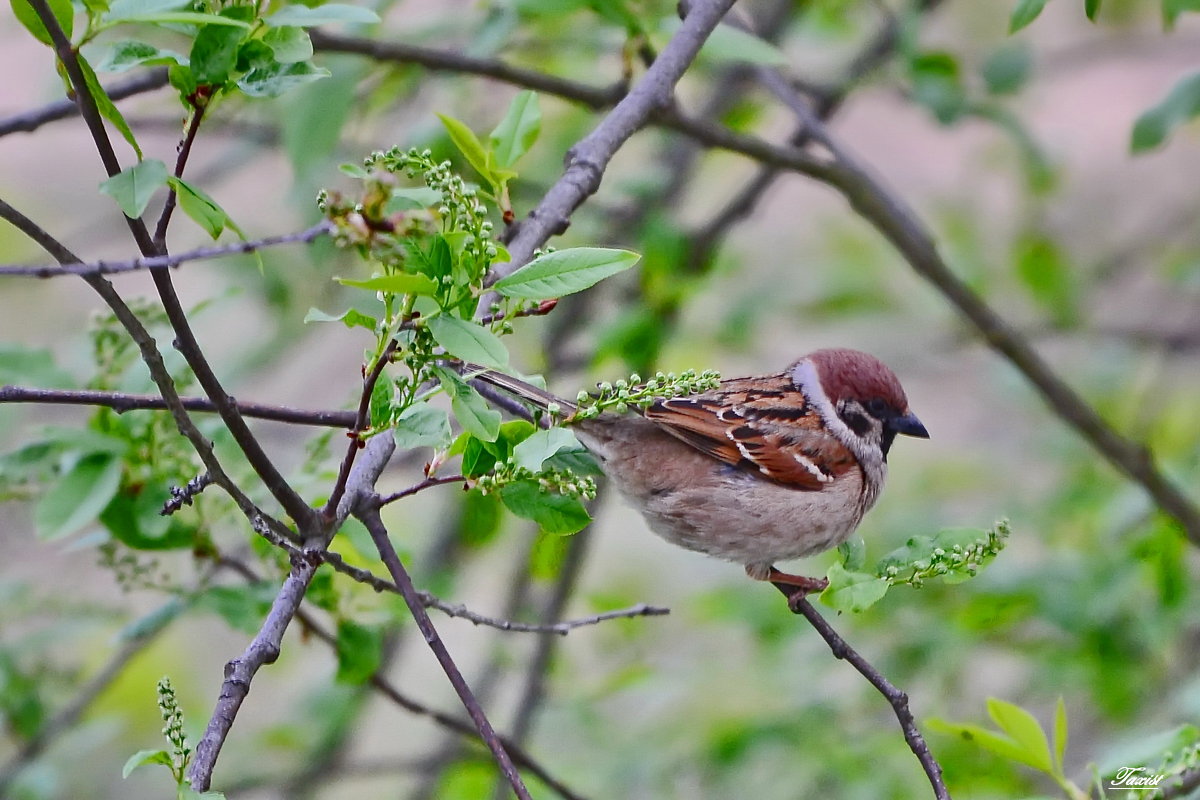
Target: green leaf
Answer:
[[1025, 12], [133, 187], [351, 318], [727, 44], [519, 129], [852, 591], [531, 453], [1171, 9], [21, 364], [359, 651], [1023, 729], [181, 18], [937, 85], [79, 497], [276, 79], [61, 9], [1044, 269], [1006, 70], [577, 460], [144, 757], [214, 53], [474, 414], [134, 519], [105, 105], [399, 283], [1181, 105], [380, 405], [469, 145], [565, 272], [242, 607], [412, 198], [203, 210], [468, 340], [854, 553], [991, 741], [307, 17], [120, 9], [1060, 735], [553, 512], [1091, 8], [422, 425], [130, 53], [476, 458], [289, 44]]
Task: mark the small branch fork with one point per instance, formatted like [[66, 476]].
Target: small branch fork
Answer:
[[895, 697]]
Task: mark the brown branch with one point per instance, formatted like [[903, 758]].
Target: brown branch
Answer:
[[30, 121], [1181, 785], [135, 264], [420, 486], [370, 517], [895, 697], [121, 403], [185, 150]]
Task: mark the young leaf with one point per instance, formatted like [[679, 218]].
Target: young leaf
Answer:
[[422, 425], [214, 53], [275, 79], [1006, 70], [553, 512], [471, 410], [532, 453], [133, 187], [144, 757], [105, 105], [1025, 12], [468, 340], [129, 53], [1060, 735], [203, 210], [79, 497], [989, 740], [519, 129], [327, 14], [852, 591], [61, 9], [565, 272], [469, 145], [351, 318], [289, 44], [400, 283], [359, 651], [1181, 105], [1091, 8], [380, 405], [1021, 726]]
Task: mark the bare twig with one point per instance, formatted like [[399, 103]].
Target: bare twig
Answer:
[[121, 403], [30, 121], [1181, 785], [895, 697], [135, 264], [370, 518], [420, 486], [184, 150]]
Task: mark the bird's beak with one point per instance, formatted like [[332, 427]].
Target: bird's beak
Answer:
[[909, 425]]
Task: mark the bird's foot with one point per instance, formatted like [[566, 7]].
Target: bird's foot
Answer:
[[795, 587]]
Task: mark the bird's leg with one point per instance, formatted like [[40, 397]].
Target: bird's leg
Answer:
[[802, 584]]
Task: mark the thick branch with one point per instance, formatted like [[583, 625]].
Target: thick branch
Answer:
[[895, 697], [122, 403], [370, 518], [136, 264]]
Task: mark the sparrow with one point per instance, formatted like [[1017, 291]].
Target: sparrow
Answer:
[[760, 469]]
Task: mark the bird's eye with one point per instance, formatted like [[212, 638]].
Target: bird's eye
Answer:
[[878, 407]]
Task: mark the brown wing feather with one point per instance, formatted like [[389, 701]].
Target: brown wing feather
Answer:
[[762, 424]]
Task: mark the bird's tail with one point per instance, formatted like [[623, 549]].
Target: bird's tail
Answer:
[[519, 389]]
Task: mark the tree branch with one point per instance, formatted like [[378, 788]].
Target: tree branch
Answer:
[[135, 264], [895, 697], [30, 121], [121, 403], [370, 517]]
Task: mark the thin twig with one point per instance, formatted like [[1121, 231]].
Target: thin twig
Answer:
[[895, 697], [370, 517], [30, 121], [420, 486], [121, 403], [135, 264], [185, 150]]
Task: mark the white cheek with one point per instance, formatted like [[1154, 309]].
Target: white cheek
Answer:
[[805, 376]]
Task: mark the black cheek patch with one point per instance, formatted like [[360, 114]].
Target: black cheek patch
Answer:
[[856, 422]]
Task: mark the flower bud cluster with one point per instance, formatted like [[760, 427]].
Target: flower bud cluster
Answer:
[[560, 481], [620, 395], [172, 719], [959, 559]]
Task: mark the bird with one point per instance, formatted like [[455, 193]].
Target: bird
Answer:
[[757, 470]]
